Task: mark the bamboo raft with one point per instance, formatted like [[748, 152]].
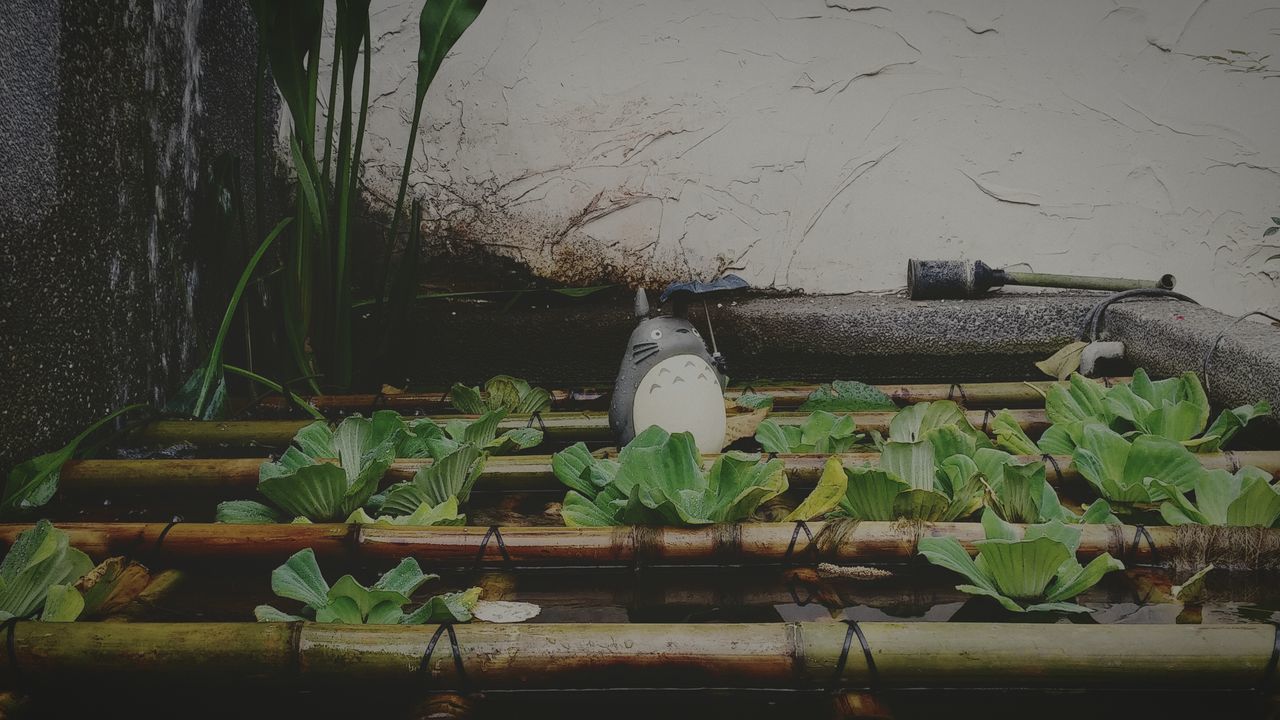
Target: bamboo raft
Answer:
[[803, 656], [562, 427], [970, 395], [840, 542], [502, 473]]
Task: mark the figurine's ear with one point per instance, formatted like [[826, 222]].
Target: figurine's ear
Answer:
[[642, 304]]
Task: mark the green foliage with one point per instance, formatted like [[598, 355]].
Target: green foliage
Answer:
[[1246, 499], [1137, 471], [501, 392], [204, 394], [34, 482], [1176, 409], [37, 575], [349, 602], [658, 479], [847, 396], [926, 469], [821, 432], [754, 401], [317, 285], [303, 484], [1036, 571], [826, 495], [440, 25]]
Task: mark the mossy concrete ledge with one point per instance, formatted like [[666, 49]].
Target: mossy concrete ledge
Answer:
[[874, 338], [1168, 338]]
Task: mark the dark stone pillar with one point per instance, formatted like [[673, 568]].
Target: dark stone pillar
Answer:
[[110, 113]]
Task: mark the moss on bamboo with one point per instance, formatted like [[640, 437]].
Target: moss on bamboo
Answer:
[[603, 655]]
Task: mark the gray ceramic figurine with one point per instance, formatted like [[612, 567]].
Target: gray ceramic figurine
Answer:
[[668, 378]]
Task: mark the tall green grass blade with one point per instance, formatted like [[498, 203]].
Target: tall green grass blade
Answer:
[[212, 369], [440, 25], [271, 384]]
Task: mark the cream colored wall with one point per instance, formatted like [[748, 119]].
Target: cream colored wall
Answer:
[[817, 145]]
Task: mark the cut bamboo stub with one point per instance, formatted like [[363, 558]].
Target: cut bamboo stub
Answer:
[[502, 473], [568, 426], [973, 395], [839, 542], [806, 656]]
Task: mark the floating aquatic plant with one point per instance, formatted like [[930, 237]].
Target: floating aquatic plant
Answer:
[[1035, 570], [1134, 472], [1176, 409], [349, 602], [304, 484], [1246, 499], [821, 432], [38, 575], [658, 479], [926, 469], [847, 396], [501, 392]]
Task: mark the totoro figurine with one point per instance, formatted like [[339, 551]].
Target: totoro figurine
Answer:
[[668, 379]]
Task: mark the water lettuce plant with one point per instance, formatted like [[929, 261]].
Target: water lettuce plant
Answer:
[[926, 469], [658, 479], [1175, 408], [1246, 499], [38, 575], [349, 602], [1134, 472], [847, 396], [937, 466], [501, 392], [821, 432], [1035, 570], [304, 484]]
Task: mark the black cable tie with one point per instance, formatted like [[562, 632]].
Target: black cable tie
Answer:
[[1233, 462], [537, 415], [463, 683], [160, 538], [1140, 531], [987, 416], [795, 535], [957, 387], [873, 676], [771, 456], [1268, 674], [1054, 462], [496, 534], [1106, 382], [378, 400]]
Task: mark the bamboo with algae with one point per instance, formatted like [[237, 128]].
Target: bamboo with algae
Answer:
[[801, 656], [839, 542]]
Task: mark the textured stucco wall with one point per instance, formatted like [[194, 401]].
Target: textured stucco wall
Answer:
[[816, 145]]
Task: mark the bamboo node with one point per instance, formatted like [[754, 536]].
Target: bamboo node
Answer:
[[644, 544], [1233, 548], [726, 542]]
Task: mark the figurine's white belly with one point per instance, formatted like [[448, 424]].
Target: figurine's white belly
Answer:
[[682, 394]]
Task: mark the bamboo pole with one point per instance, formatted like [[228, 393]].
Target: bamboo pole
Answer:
[[846, 542], [503, 473], [568, 426], [607, 655], [972, 395]]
